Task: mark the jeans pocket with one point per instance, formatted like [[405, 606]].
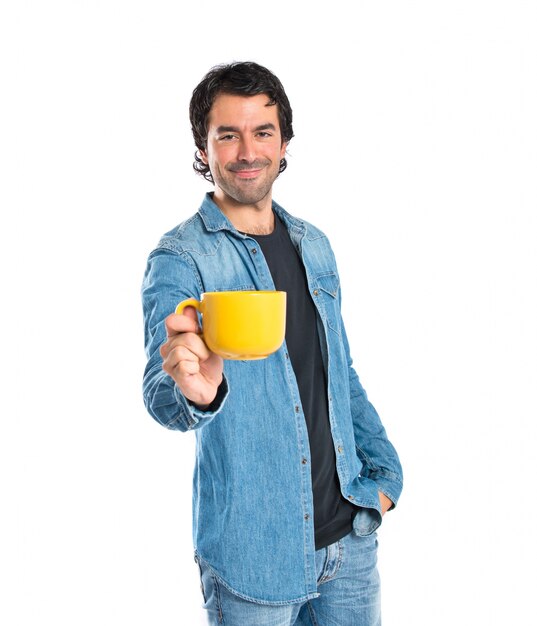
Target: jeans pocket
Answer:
[[201, 579], [211, 591]]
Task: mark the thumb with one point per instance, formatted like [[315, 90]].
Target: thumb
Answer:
[[191, 313], [184, 322]]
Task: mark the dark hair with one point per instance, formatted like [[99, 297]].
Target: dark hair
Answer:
[[246, 79]]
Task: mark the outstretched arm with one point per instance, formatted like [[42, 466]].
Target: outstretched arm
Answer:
[[172, 387]]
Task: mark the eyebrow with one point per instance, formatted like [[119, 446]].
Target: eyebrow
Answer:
[[235, 129]]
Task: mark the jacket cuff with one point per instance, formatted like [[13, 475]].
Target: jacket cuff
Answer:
[[197, 417], [390, 487]]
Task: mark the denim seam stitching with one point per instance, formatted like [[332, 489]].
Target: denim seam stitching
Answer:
[[312, 615], [223, 583], [188, 259], [218, 599]]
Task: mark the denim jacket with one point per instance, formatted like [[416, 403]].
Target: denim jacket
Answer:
[[252, 492]]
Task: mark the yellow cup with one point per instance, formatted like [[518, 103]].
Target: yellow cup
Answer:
[[243, 325]]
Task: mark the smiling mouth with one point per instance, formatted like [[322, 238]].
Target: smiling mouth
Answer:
[[247, 173]]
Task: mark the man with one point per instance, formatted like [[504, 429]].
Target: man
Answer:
[[293, 467]]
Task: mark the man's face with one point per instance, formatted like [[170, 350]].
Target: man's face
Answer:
[[244, 147]]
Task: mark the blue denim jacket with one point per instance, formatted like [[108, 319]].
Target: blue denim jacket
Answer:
[[252, 492]]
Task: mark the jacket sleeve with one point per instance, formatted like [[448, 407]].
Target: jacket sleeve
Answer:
[[378, 456], [169, 278]]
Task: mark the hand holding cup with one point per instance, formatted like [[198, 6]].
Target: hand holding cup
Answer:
[[196, 370]]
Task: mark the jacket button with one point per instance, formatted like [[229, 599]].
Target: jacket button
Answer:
[[315, 292], [350, 497], [297, 408], [340, 449], [306, 517], [254, 250], [304, 461]]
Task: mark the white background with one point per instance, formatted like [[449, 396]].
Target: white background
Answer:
[[416, 152]]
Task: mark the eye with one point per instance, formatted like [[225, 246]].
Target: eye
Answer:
[[264, 135], [226, 137]]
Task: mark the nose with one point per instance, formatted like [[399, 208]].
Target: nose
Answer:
[[246, 150]]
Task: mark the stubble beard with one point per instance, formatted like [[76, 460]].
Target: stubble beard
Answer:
[[250, 191]]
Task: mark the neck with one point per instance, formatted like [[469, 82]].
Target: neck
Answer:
[[267, 229], [255, 219]]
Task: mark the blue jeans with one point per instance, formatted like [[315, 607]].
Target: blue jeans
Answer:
[[347, 579]]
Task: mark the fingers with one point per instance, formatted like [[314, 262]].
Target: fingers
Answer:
[[184, 350], [181, 362], [190, 340]]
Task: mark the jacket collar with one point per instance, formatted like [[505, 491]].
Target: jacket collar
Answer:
[[214, 220]]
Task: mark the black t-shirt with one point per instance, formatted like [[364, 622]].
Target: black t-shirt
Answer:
[[333, 514]]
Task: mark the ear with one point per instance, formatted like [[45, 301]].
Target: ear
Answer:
[[283, 149], [203, 155]]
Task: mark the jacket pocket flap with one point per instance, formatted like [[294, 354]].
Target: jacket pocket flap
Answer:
[[329, 283]]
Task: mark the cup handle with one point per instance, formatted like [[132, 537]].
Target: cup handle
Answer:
[[190, 302]]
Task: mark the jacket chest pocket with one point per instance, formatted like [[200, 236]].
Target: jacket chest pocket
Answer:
[[326, 296]]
